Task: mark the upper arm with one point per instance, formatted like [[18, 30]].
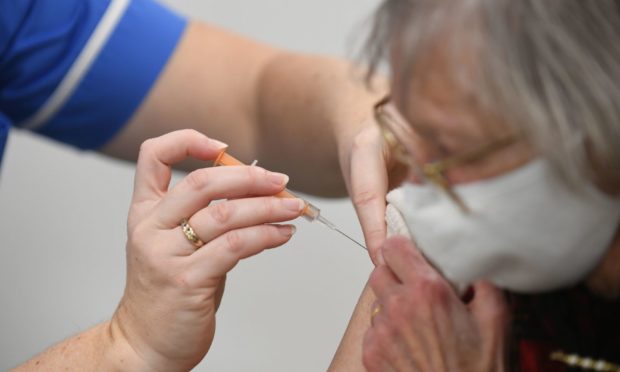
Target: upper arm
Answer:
[[348, 357], [210, 84]]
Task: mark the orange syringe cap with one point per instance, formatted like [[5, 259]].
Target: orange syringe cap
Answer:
[[225, 159]]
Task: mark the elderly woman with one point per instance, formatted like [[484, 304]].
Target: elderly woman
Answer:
[[506, 113]]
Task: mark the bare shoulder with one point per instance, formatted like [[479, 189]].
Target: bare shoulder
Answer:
[[348, 357]]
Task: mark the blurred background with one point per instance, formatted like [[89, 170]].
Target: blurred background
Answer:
[[62, 229]]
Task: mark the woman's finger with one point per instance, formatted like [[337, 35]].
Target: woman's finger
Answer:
[[490, 309], [219, 256], [405, 260], [373, 353], [157, 155], [202, 186], [369, 186], [383, 281], [217, 219]]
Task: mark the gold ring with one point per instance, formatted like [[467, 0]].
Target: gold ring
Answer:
[[189, 233], [375, 311]]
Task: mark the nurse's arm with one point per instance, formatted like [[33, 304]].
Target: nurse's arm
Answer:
[[287, 110], [97, 349]]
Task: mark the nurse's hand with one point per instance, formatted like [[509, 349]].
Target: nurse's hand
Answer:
[[420, 324], [369, 172], [167, 313]]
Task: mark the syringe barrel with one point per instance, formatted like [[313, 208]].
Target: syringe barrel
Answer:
[[310, 212], [225, 159]]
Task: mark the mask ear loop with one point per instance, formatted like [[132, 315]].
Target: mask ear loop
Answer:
[[434, 173]]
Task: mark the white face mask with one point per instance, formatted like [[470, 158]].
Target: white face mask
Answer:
[[527, 232]]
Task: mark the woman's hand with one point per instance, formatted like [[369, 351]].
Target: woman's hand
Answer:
[[420, 324], [167, 313]]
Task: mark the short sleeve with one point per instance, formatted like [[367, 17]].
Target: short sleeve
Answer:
[[76, 70]]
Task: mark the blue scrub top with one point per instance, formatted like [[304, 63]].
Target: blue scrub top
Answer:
[[76, 70]]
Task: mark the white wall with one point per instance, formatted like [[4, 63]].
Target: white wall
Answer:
[[62, 232]]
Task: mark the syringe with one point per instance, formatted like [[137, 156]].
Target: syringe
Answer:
[[310, 212]]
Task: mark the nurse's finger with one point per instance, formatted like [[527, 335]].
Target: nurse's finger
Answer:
[[369, 186], [219, 218], [216, 258], [199, 188], [157, 155]]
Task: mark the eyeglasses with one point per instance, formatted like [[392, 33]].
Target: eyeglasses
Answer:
[[397, 134]]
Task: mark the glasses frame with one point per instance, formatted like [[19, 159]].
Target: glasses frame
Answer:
[[393, 127]]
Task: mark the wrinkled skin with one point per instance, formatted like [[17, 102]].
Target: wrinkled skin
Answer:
[[423, 325]]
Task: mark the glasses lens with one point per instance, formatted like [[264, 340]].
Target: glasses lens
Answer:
[[398, 135]]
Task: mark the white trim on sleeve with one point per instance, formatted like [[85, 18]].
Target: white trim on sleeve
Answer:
[[80, 67]]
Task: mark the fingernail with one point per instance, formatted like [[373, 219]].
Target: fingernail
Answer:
[[278, 178], [295, 205], [288, 230], [218, 144]]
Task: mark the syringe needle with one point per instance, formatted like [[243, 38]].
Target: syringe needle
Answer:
[[351, 239], [311, 212], [329, 224]]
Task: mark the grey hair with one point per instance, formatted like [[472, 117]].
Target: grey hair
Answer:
[[549, 68]]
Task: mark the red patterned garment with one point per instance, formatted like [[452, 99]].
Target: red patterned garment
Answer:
[[572, 321]]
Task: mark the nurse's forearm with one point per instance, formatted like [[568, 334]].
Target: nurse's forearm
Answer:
[[98, 349]]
